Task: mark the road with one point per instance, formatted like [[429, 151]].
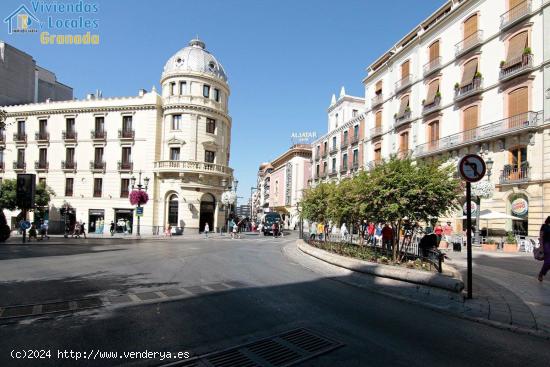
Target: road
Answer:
[[265, 293]]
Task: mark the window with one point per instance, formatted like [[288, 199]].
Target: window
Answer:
[[433, 133], [172, 89], [516, 46], [356, 131], [470, 120], [209, 156], [325, 167], [124, 187], [345, 161], [404, 142], [183, 88], [318, 150], [99, 124], [518, 107], [378, 119], [20, 127], [355, 158], [346, 137], [98, 186], [354, 113], [378, 152], [174, 154], [317, 170], [210, 126], [334, 142], [42, 157], [325, 147], [405, 69], [69, 125], [378, 88], [216, 94], [333, 164], [433, 90], [433, 51], [42, 128], [98, 155], [126, 156], [518, 158], [206, 91], [176, 122], [69, 155], [403, 107], [470, 26], [126, 123], [69, 182], [469, 73], [20, 157]]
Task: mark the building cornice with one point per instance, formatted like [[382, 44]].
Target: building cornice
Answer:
[[77, 110], [194, 107], [346, 98]]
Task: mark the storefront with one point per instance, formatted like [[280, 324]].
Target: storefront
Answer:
[[519, 207], [96, 221], [124, 220]]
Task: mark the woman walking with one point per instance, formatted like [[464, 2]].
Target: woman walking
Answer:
[[544, 240]]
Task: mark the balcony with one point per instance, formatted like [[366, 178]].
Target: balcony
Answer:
[[501, 128], [372, 164], [403, 119], [20, 138], [475, 87], [404, 153], [432, 66], [68, 166], [376, 100], [317, 156], [354, 167], [375, 132], [469, 43], [125, 166], [516, 67], [432, 107], [354, 139], [69, 136], [324, 154], [515, 15], [126, 134], [322, 175], [19, 166], [344, 169], [192, 167], [98, 135], [333, 150], [97, 166], [403, 83], [333, 172], [42, 137], [514, 175], [345, 143], [41, 166]]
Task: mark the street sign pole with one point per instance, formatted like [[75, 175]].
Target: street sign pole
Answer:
[[469, 235]]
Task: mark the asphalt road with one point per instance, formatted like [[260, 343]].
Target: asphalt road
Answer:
[[276, 295]]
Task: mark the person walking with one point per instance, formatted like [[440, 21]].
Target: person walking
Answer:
[[32, 233], [128, 227], [544, 241], [387, 237], [206, 230], [438, 231], [112, 228], [378, 235], [83, 229], [344, 231], [320, 230], [370, 230], [313, 231]]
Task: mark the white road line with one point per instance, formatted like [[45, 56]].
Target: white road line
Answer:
[[189, 293], [134, 298], [207, 288], [161, 295]]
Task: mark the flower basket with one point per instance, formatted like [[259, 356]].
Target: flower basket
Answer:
[[489, 247], [138, 197]]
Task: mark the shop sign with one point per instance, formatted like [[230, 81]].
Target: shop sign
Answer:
[[520, 207], [474, 208]]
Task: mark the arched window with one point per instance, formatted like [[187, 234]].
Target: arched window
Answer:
[[404, 108], [516, 46], [433, 50], [404, 144], [433, 95], [377, 152], [469, 73], [470, 26]]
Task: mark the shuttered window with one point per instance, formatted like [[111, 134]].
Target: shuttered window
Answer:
[[470, 118], [433, 88], [378, 152], [518, 102], [434, 50], [378, 87], [516, 45], [514, 3], [378, 119], [433, 131], [470, 69], [470, 26], [405, 69], [404, 142], [403, 106]]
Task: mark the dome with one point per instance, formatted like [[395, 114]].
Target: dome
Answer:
[[195, 58]]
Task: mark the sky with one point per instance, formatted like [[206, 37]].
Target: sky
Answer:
[[284, 58]]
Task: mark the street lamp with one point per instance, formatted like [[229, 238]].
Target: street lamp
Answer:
[[489, 163], [139, 186], [301, 223]]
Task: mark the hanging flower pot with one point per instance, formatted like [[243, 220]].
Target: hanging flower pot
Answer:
[[138, 197]]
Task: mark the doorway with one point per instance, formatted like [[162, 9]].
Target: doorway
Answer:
[[208, 204]]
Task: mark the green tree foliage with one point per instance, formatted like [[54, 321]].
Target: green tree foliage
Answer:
[[394, 190], [8, 195]]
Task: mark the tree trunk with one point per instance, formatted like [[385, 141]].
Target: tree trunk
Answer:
[[396, 240]]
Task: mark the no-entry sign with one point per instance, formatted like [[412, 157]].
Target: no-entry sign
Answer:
[[472, 168]]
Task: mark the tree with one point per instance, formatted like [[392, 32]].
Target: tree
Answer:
[[8, 195], [314, 202]]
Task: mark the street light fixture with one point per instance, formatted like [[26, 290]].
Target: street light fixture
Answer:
[[489, 163], [139, 186]]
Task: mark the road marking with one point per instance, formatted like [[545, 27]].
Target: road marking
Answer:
[[161, 295], [134, 298]]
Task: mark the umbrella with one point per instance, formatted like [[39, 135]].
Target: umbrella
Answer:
[[490, 215]]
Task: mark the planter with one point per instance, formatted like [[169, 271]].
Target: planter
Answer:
[[510, 247], [489, 247], [443, 245]]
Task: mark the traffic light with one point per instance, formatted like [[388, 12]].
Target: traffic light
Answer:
[[26, 185]]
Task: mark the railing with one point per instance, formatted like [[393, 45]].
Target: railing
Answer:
[[125, 166], [68, 165], [376, 100], [126, 134], [343, 169], [333, 172], [41, 165], [400, 120], [192, 166], [324, 153], [469, 42], [345, 143], [515, 14], [432, 66], [187, 99], [502, 127], [19, 137], [354, 139], [19, 166], [514, 174], [333, 150], [431, 107], [317, 156], [69, 135], [376, 131], [98, 134], [404, 153], [354, 166], [97, 166], [516, 67], [42, 136], [469, 89], [403, 83]]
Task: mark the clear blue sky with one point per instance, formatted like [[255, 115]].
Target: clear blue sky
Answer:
[[284, 58]]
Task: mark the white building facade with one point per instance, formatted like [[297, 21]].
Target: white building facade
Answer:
[[87, 151], [472, 78]]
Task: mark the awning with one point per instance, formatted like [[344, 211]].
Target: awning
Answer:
[[403, 106], [490, 215], [515, 48], [469, 72], [378, 87], [433, 88]]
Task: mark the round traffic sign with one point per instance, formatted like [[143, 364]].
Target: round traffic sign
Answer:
[[472, 167], [25, 224]]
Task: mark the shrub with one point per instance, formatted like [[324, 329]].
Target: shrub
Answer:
[[457, 85], [527, 51], [510, 238]]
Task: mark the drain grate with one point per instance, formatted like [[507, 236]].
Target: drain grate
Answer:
[[281, 350]]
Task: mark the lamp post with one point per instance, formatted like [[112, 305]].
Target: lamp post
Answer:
[[301, 223], [228, 198], [139, 186]]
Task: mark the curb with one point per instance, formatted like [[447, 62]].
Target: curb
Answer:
[[385, 271]]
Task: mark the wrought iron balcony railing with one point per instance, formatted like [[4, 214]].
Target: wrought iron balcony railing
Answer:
[[20, 137], [333, 150], [125, 166], [376, 100], [68, 165], [375, 131], [98, 135], [516, 14], [432, 107], [518, 66], [512, 175], [475, 87], [344, 168], [126, 134], [468, 43], [432, 66], [345, 143], [403, 119], [193, 166], [70, 135], [19, 166], [97, 165], [42, 136], [354, 139], [403, 83], [41, 165], [333, 172]]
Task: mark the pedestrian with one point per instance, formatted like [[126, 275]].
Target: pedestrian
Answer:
[[378, 235], [387, 237], [128, 227], [206, 230], [32, 233], [344, 231], [544, 241], [274, 229], [370, 231], [320, 230], [112, 228], [326, 230], [83, 229], [428, 243], [76, 230], [235, 231], [438, 231], [313, 231]]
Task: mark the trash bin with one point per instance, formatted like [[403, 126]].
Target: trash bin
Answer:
[[457, 246]]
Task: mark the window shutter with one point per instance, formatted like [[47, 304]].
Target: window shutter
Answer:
[[470, 118], [470, 69], [514, 3], [434, 131], [405, 69], [518, 102], [378, 87], [433, 88], [470, 26], [404, 142], [404, 104], [378, 120], [434, 50], [516, 45]]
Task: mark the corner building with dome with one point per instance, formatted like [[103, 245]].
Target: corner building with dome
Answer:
[[87, 151]]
